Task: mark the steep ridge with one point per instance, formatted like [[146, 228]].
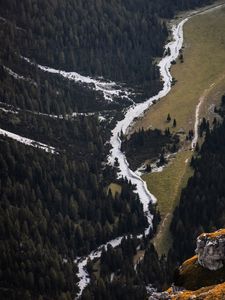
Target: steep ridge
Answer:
[[203, 275]]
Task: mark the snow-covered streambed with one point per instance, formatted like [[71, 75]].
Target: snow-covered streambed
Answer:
[[109, 89], [137, 110], [27, 141], [133, 112]]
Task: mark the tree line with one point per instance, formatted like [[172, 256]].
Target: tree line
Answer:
[[204, 194], [148, 145], [114, 39]]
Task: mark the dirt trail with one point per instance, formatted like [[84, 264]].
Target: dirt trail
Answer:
[[198, 108]]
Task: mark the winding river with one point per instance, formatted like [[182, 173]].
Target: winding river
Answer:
[[122, 126], [137, 110], [134, 111]]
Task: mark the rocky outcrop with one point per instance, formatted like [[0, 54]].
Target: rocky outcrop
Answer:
[[201, 277], [211, 250]]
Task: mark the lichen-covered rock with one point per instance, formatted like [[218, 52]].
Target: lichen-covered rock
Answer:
[[211, 250], [202, 276], [214, 292]]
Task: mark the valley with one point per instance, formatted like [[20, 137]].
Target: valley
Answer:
[[200, 83], [77, 220]]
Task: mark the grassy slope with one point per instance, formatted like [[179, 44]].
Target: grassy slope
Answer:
[[203, 72], [204, 65], [115, 188], [167, 186]]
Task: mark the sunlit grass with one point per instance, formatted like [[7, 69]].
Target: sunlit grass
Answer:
[[203, 69], [115, 188], [204, 65], [166, 186]]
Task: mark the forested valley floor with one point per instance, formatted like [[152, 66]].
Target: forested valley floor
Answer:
[[57, 206]]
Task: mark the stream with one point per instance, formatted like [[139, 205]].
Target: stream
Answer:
[[110, 89], [122, 126]]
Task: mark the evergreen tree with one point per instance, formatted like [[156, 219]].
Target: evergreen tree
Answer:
[[168, 118]]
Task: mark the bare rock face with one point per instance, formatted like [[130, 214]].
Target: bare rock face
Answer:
[[211, 250]]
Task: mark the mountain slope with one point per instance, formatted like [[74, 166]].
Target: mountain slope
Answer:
[[57, 206]]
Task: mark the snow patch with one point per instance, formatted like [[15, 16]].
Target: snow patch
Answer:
[[109, 89], [66, 116], [7, 21], [101, 118], [112, 277], [27, 141], [19, 77], [156, 167], [8, 110], [141, 170]]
